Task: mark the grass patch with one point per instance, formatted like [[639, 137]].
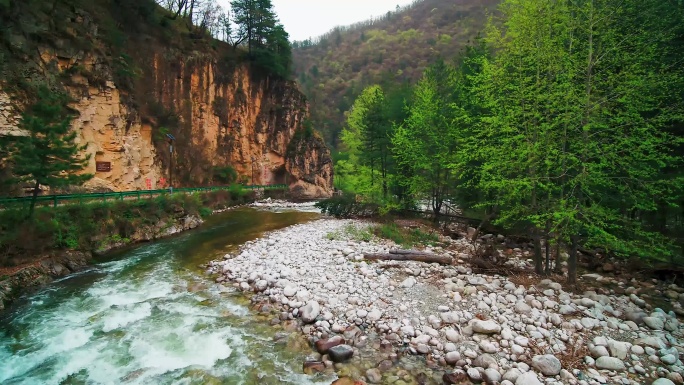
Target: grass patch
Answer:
[[406, 237], [360, 234]]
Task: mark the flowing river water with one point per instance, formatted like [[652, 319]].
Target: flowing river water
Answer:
[[149, 315]]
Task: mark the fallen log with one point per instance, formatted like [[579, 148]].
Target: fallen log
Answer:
[[409, 252], [404, 256]]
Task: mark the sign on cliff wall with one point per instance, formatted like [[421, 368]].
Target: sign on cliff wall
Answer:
[[103, 166]]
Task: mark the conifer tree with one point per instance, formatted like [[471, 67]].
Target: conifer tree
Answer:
[[48, 155]]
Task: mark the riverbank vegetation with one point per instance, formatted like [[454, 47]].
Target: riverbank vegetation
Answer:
[[99, 225], [403, 236], [562, 122]]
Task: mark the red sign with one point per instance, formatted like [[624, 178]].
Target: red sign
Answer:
[[103, 166], [148, 183], [162, 182]]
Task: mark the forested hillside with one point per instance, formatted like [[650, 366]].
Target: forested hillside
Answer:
[[333, 69], [564, 122]]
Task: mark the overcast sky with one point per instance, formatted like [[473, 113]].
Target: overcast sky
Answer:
[[310, 18]]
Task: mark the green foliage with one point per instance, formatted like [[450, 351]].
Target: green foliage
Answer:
[[205, 212], [237, 192], [367, 165], [556, 123], [576, 138], [427, 143], [346, 206], [48, 155], [346, 60], [268, 44], [98, 225], [406, 237], [224, 175]]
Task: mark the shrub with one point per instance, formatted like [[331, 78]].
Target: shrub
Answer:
[[346, 206], [224, 175]]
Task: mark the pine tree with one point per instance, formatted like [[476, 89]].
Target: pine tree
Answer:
[[48, 155], [427, 142]]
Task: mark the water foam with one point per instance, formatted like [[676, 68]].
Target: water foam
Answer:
[[135, 322], [126, 315]]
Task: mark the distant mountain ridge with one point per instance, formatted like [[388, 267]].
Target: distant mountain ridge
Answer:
[[334, 68]]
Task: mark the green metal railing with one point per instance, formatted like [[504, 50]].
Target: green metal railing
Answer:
[[55, 200]]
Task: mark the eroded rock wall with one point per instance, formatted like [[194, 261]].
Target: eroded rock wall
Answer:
[[220, 110]]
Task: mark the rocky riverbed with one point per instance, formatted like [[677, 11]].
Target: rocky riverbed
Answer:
[[366, 319]]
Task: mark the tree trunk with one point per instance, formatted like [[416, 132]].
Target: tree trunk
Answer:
[[486, 220], [538, 262], [410, 255], [572, 262], [558, 268], [547, 268], [33, 199]]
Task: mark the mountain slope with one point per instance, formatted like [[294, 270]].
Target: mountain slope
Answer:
[[334, 69]]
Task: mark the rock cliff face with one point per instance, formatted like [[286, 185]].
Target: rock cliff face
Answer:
[[220, 110]]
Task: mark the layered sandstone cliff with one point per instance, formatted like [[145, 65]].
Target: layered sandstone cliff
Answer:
[[220, 110]]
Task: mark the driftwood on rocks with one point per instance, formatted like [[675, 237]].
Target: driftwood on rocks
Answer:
[[410, 255]]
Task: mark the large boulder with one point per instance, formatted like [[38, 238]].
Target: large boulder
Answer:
[[310, 311], [486, 327], [341, 353], [547, 364], [323, 345], [610, 363]]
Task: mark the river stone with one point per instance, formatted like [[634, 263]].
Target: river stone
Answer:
[[310, 312], [261, 285], [492, 376], [547, 364], [374, 376], [522, 308], [618, 349], [290, 291], [474, 374], [662, 381], [374, 315], [512, 375], [323, 345], [449, 317], [458, 376], [610, 363], [652, 341], [408, 283], [486, 327], [452, 357], [452, 335], [528, 378], [341, 353], [675, 377], [654, 323], [598, 351], [313, 367], [668, 359], [567, 309], [484, 361]]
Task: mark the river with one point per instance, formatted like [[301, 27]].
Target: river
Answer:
[[149, 315]]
